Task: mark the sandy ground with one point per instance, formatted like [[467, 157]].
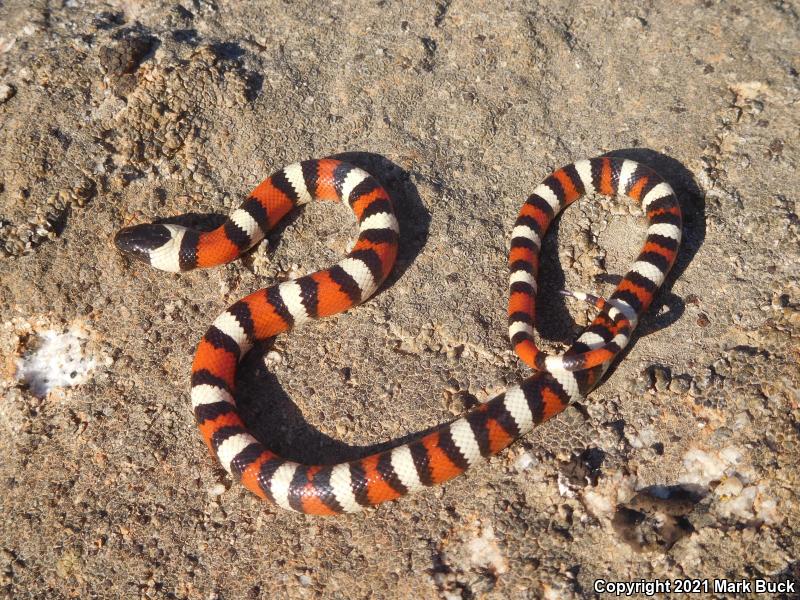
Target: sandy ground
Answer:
[[683, 464]]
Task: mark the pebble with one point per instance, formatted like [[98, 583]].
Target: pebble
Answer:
[[722, 367], [729, 487], [742, 421], [661, 377], [704, 381], [642, 383], [525, 461], [7, 92], [216, 490], [680, 384]]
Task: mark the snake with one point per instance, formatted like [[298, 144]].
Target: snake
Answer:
[[446, 451]]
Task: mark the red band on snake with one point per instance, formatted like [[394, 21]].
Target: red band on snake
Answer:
[[452, 447]]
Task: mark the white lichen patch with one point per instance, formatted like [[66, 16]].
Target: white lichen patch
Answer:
[[701, 467], [44, 356], [598, 504], [484, 552], [56, 360], [470, 556], [738, 493], [525, 461]]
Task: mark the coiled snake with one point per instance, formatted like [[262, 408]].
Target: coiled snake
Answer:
[[452, 447]]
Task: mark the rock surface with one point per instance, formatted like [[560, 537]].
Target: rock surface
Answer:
[[683, 464]]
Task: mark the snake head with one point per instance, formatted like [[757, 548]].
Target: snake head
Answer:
[[152, 243]]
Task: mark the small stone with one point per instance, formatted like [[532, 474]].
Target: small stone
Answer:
[[722, 367], [7, 91], [705, 380], [742, 421], [680, 384], [83, 192], [273, 358], [729, 487], [661, 377], [525, 461], [216, 490]]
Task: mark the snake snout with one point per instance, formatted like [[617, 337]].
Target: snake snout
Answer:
[[139, 240]]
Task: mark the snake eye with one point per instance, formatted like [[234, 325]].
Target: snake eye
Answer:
[[138, 241]]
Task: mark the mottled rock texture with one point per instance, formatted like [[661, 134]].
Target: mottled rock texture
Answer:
[[682, 464]]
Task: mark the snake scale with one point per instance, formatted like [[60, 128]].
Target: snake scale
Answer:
[[452, 447]]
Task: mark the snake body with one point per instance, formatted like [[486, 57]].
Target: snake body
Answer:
[[452, 447]]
